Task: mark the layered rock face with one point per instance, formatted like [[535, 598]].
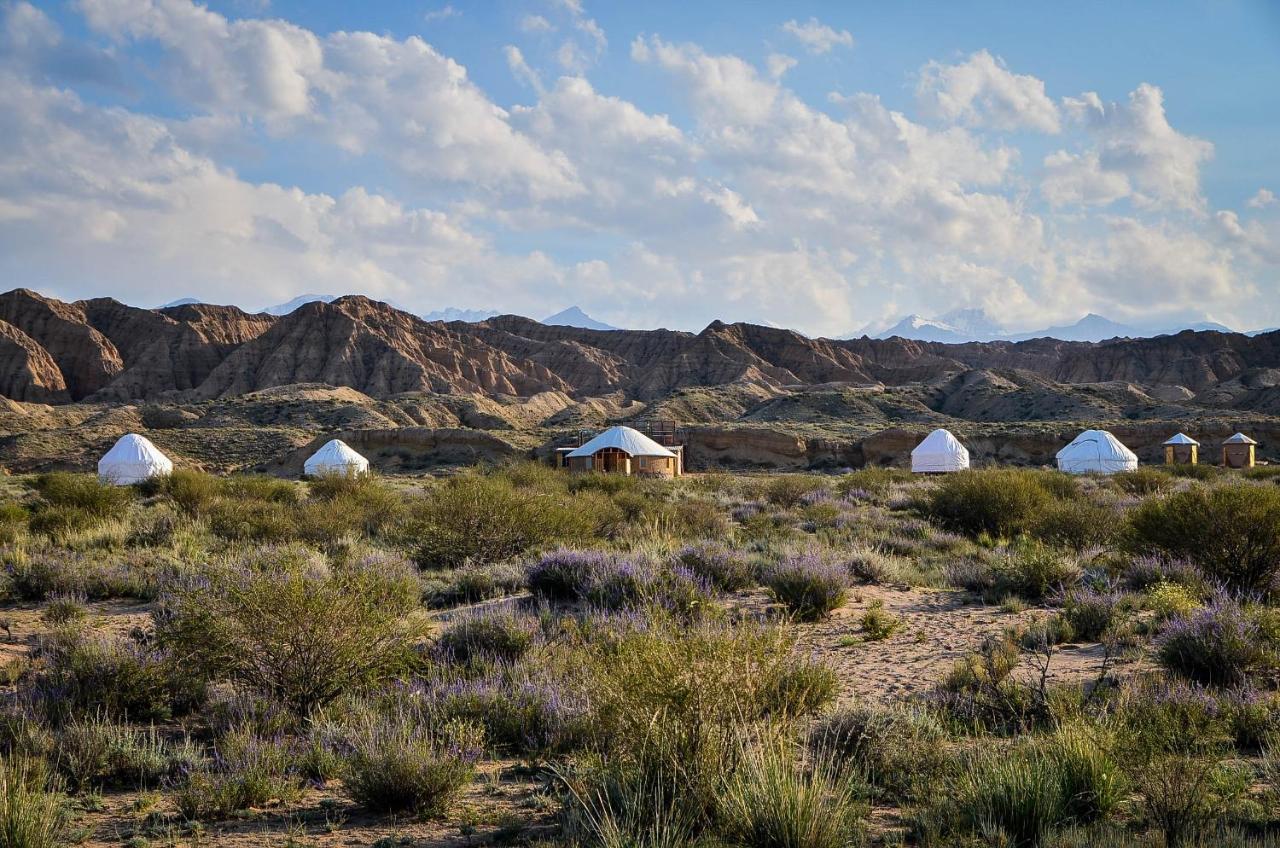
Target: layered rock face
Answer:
[[103, 350]]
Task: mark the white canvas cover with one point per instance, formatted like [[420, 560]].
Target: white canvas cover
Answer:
[[336, 457], [1096, 451], [1181, 439], [625, 439], [939, 452], [131, 460]]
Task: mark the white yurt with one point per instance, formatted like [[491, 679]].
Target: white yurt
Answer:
[[940, 452], [1098, 452], [133, 459], [336, 457]]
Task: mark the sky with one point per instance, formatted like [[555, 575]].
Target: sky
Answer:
[[818, 166]]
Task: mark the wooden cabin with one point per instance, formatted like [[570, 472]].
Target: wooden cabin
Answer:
[[1181, 450], [1239, 451]]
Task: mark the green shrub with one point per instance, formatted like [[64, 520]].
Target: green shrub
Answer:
[[84, 492], [877, 624], [64, 608], [873, 480], [400, 763], [773, 801], [192, 491], [301, 634], [1032, 570], [998, 502], [1016, 795], [1231, 531], [1091, 613], [478, 519], [473, 583], [246, 520], [788, 490], [809, 587], [30, 815], [254, 487], [1075, 523]]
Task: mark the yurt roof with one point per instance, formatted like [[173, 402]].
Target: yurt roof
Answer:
[[336, 452], [1101, 441], [625, 439], [1181, 439], [131, 449], [1239, 439], [940, 441]]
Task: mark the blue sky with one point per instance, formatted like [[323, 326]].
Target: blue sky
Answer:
[[824, 166]]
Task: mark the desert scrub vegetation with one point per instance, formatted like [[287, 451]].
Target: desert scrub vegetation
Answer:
[[652, 662]]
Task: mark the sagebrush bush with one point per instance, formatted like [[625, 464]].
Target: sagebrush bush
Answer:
[[404, 763], [724, 568], [1220, 644], [98, 752], [1142, 481], [248, 771], [999, 502], [496, 635], [472, 583], [80, 674], [1231, 531], [788, 490], [810, 587], [524, 717], [300, 632], [1093, 613]]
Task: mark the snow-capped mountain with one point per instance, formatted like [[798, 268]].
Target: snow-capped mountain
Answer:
[[974, 325], [453, 313], [302, 299], [575, 317]]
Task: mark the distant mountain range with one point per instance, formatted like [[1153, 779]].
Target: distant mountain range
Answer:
[[974, 325], [575, 317]]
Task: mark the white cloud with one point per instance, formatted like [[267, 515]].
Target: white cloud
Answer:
[[816, 36], [535, 23], [520, 68], [981, 91], [441, 14], [364, 92], [1080, 180], [778, 64], [1135, 140], [1263, 199]]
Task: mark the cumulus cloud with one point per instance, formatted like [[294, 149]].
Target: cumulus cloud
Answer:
[[1136, 141], [817, 37], [400, 98], [441, 14], [981, 91], [1263, 199]]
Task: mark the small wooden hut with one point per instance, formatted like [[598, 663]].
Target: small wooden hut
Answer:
[[1239, 451], [1181, 450]]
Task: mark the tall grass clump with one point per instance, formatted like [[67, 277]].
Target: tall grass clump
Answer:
[[899, 749], [1033, 570], [773, 800], [83, 492], [495, 635], [1231, 531], [31, 816], [808, 586], [998, 502], [403, 762]]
